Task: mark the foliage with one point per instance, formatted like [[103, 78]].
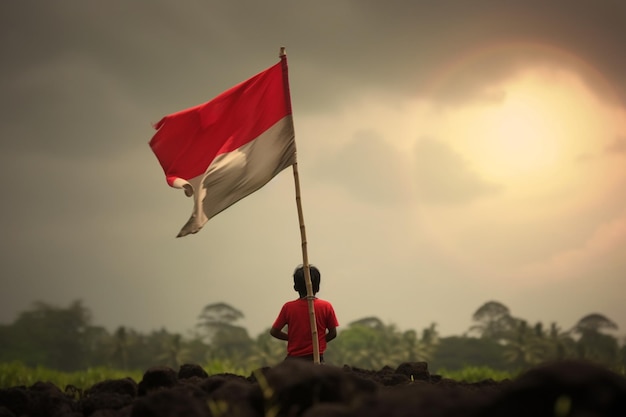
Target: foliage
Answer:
[[15, 373], [594, 323], [216, 367], [50, 337], [218, 318], [476, 374], [266, 351], [525, 346], [369, 343], [458, 352], [493, 319], [226, 339]]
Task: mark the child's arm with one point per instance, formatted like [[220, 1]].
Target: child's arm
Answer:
[[331, 334], [279, 334]]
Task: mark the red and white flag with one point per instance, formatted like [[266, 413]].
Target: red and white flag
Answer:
[[223, 150]]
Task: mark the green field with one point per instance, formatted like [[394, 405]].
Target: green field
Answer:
[[15, 374]]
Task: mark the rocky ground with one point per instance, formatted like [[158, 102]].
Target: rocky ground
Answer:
[[295, 388]]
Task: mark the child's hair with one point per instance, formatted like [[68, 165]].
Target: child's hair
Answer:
[[299, 283]]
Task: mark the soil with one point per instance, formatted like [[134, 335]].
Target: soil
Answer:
[[297, 388]]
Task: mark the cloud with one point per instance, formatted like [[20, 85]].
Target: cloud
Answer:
[[617, 147], [81, 82], [372, 169], [70, 107], [369, 169], [605, 240], [442, 176], [163, 50]]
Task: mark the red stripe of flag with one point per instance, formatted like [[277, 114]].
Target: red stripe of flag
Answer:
[[229, 147], [188, 141]]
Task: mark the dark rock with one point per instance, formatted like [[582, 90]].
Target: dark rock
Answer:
[[329, 410], [124, 386], [296, 385], [173, 402], [566, 388], [15, 399], [299, 388], [238, 397], [155, 378], [99, 401], [414, 370], [191, 370], [5, 412]]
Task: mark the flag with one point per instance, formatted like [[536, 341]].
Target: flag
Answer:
[[222, 151]]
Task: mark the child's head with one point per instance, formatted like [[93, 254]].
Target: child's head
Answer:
[[299, 283]]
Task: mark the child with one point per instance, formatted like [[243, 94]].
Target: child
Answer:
[[295, 315]]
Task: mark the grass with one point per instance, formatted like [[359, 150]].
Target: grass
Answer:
[[476, 374]]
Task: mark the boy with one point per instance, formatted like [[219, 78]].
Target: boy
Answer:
[[295, 315]]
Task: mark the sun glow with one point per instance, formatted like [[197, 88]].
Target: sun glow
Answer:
[[551, 147], [535, 132], [520, 138]]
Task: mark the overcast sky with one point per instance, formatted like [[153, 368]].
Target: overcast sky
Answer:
[[450, 153]]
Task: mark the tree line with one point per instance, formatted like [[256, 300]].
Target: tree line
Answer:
[[64, 338]]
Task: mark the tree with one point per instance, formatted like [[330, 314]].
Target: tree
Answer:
[[525, 346], [594, 323], [173, 352], [120, 348], [359, 345], [267, 351], [457, 352], [369, 343], [561, 344], [428, 344], [494, 320], [218, 317], [97, 342], [226, 339], [52, 336], [595, 345], [622, 358], [10, 348], [371, 322]]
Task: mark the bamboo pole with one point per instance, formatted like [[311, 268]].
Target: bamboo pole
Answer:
[[305, 257], [307, 270]]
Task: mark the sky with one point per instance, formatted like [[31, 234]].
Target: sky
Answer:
[[450, 153]]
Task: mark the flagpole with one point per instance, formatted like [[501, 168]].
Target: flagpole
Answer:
[[307, 270], [305, 257]]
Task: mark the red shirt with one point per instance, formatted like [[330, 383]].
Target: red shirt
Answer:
[[295, 314]]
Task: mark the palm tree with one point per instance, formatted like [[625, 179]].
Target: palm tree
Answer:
[[174, 353], [366, 343], [561, 344], [120, 347], [525, 346], [621, 368], [369, 343], [266, 351], [428, 343]]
